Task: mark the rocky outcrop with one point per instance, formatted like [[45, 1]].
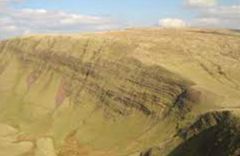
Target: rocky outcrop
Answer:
[[121, 84], [213, 134]]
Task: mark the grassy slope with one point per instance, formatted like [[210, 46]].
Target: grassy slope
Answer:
[[115, 93]]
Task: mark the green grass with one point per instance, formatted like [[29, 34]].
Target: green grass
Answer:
[[120, 92]]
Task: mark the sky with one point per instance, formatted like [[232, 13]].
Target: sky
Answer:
[[23, 17]]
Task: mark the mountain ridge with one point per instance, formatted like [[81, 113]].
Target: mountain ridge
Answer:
[[115, 93]]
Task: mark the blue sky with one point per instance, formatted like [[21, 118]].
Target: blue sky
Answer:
[[143, 12], [136, 10], [43, 16]]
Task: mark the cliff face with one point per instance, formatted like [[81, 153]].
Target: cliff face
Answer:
[[115, 93], [215, 133]]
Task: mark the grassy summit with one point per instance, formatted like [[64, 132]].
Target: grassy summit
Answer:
[[132, 92]]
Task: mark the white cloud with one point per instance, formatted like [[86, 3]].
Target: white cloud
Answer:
[[4, 3], [9, 28], [219, 17], [223, 11], [50, 18], [207, 21], [172, 23], [24, 21], [212, 16], [201, 3], [71, 19]]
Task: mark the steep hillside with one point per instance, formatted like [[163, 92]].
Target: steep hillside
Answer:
[[215, 133], [119, 93]]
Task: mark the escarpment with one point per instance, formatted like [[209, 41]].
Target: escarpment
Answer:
[[133, 92], [121, 84], [215, 133]]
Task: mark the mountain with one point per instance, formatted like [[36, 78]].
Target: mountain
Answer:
[[135, 92]]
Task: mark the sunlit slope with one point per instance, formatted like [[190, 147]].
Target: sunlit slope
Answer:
[[115, 93], [208, 57]]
